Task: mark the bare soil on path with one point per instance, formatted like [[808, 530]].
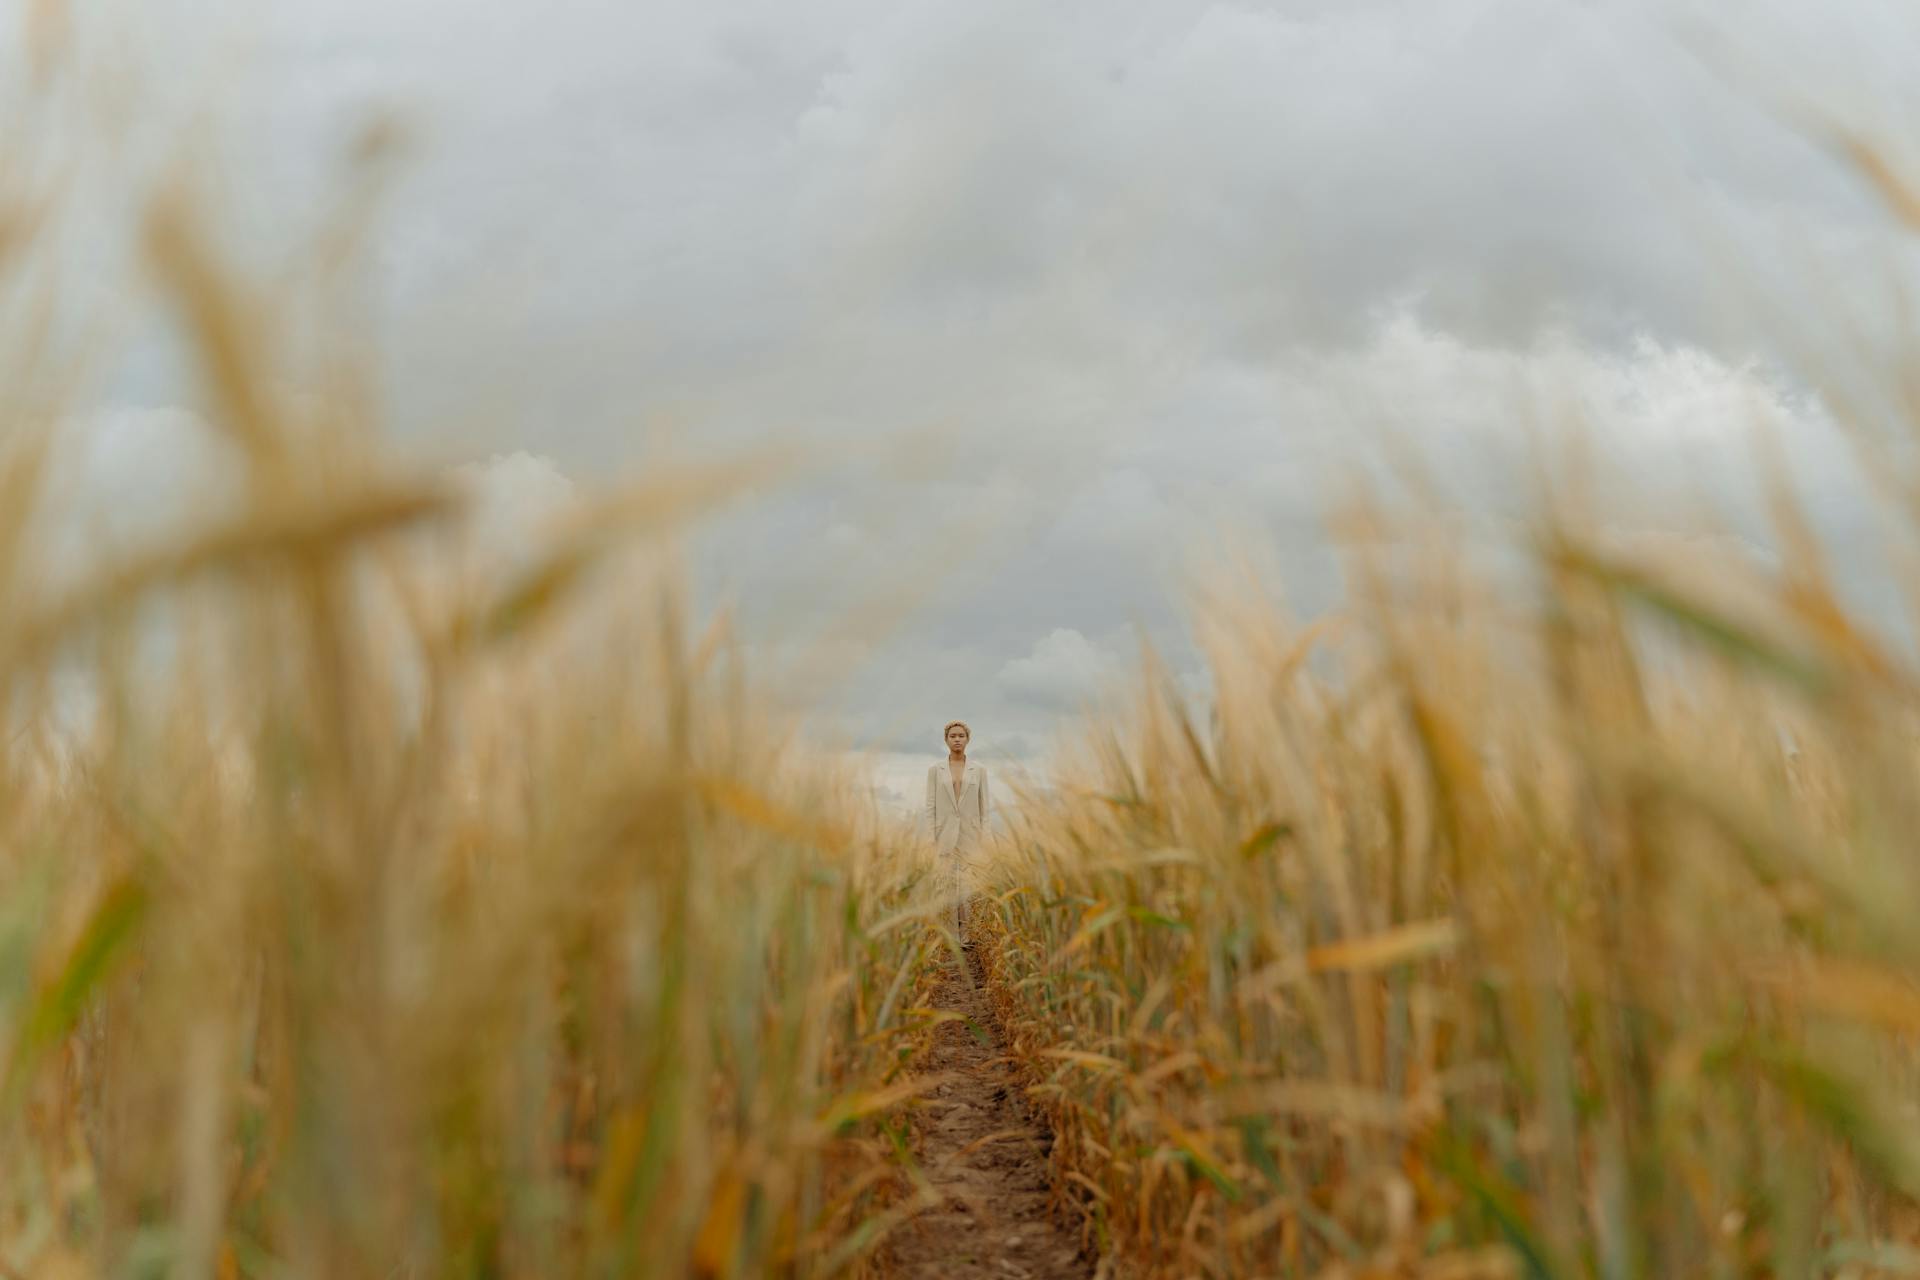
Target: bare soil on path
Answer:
[[985, 1151]]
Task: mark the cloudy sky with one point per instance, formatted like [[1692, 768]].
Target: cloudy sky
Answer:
[[1056, 288]]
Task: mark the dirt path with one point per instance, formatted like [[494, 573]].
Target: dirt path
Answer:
[[986, 1151]]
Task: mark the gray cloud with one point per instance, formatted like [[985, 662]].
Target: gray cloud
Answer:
[[1131, 269], [860, 215]]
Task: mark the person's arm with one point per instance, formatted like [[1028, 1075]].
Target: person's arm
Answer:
[[930, 786], [983, 799]]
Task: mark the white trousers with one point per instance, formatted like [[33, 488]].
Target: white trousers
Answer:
[[956, 883]]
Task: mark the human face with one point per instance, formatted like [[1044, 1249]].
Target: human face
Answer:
[[957, 739]]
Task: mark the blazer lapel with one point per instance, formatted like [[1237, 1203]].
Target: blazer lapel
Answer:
[[950, 800]]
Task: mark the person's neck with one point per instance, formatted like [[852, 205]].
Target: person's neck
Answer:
[[956, 757]]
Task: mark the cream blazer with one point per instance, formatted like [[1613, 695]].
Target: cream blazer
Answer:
[[956, 825]]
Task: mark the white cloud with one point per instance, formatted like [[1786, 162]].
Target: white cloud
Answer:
[[1062, 671], [516, 503]]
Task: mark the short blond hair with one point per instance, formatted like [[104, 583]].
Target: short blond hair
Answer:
[[948, 727]]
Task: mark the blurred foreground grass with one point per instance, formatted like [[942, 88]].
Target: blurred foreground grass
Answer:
[[366, 914], [1551, 937]]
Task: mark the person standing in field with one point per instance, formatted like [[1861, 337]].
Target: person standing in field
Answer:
[[956, 814]]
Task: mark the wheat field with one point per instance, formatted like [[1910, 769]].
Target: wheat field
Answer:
[[363, 915]]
